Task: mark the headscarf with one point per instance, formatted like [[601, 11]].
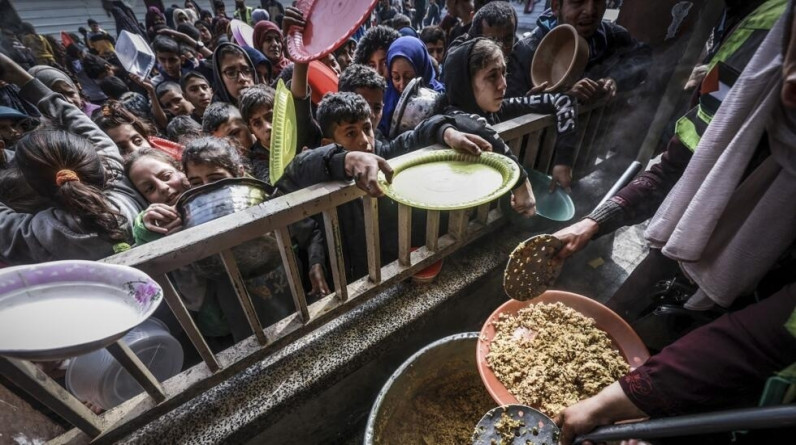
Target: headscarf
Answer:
[[456, 75], [257, 58], [49, 76], [126, 20], [258, 15], [151, 14], [407, 31], [219, 86], [260, 30], [414, 50], [176, 12]]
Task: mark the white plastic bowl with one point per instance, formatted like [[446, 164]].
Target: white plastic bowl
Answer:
[[98, 378]]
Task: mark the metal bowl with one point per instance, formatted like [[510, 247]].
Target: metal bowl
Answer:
[[560, 58], [416, 103], [225, 197]]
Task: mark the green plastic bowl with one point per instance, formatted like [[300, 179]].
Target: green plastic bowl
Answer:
[[556, 206]]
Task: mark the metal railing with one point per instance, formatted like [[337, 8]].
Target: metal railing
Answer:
[[530, 137]]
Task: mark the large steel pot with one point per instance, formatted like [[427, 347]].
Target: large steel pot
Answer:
[[423, 373], [225, 197]]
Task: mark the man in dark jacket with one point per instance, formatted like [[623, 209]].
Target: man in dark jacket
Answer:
[[616, 60]]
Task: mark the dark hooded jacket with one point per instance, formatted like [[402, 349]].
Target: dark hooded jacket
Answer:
[[460, 104], [327, 163], [613, 52], [221, 93]]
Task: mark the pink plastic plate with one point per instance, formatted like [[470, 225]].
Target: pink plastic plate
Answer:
[[329, 24], [243, 33]]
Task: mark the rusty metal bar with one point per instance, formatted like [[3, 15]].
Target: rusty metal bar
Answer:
[[127, 358], [335, 242], [290, 263], [231, 266], [39, 385], [186, 322]]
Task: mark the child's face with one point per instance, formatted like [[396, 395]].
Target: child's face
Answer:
[[346, 56], [11, 130], [401, 72], [331, 62], [378, 61], [170, 62], [174, 101], [355, 136], [237, 74], [71, 94], [436, 50], [198, 92], [204, 34], [489, 85], [157, 181], [375, 99], [235, 128], [127, 138], [260, 125], [201, 174]]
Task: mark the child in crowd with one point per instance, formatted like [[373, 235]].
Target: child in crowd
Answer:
[[170, 96], [113, 87], [167, 54], [182, 129], [366, 82], [407, 58], [198, 91], [345, 53], [130, 133], [256, 109], [475, 73], [345, 120], [223, 120], [372, 48], [13, 125], [79, 170], [261, 64], [434, 39], [59, 82], [233, 72]]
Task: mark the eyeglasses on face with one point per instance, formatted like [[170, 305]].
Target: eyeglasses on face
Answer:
[[233, 73]]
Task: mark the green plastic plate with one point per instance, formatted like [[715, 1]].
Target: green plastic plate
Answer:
[[557, 206], [283, 132], [448, 180]]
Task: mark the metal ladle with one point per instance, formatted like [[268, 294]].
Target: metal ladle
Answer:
[[538, 429]]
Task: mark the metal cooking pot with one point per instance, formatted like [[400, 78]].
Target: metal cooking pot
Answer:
[[225, 197]]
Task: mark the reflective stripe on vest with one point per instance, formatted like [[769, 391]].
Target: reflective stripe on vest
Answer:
[[689, 128]]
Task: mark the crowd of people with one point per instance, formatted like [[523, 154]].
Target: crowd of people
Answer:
[[93, 159]]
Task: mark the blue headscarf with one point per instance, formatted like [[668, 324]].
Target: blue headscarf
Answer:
[[414, 50]]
